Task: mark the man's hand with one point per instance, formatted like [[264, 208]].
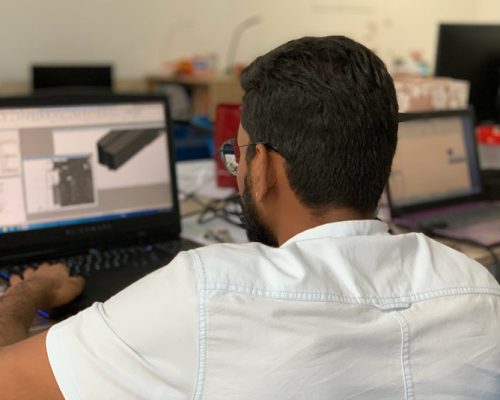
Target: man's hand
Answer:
[[24, 365], [46, 287], [52, 283]]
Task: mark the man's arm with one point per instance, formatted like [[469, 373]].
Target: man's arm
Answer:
[[24, 367]]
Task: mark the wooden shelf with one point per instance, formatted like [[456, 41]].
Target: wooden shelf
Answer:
[[206, 91]]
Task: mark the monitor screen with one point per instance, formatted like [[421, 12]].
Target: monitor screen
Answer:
[[72, 76], [435, 160], [82, 163], [472, 52]]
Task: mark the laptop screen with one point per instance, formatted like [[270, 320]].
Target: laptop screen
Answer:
[[80, 164], [435, 161]]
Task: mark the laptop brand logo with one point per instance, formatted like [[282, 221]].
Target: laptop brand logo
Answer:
[[88, 229]]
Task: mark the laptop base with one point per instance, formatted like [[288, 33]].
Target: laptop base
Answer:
[[108, 271]]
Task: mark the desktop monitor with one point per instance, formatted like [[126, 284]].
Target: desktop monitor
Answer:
[[472, 52], [87, 78]]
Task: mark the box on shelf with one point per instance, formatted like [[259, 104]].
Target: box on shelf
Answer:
[[422, 94]]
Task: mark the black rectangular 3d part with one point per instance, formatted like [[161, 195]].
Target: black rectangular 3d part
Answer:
[[117, 147]]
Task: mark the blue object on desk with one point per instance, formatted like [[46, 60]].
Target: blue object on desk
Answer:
[[4, 275], [193, 140]]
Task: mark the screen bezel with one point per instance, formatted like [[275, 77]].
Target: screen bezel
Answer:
[[468, 116], [164, 224]]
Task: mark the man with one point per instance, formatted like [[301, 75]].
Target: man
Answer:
[[324, 303]]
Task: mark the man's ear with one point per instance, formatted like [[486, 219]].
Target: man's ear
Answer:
[[264, 174]]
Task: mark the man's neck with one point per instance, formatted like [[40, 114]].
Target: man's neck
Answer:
[[304, 219]]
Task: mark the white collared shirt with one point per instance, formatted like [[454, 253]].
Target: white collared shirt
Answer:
[[341, 311]]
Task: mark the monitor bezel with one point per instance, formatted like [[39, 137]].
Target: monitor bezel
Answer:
[[164, 224]]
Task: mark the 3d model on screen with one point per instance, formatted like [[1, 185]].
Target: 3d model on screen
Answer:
[[75, 183], [117, 147]]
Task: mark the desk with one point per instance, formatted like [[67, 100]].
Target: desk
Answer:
[[206, 92]]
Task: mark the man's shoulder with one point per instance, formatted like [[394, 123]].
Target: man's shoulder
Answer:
[[357, 267], [436, 265], [249, 266], [435, 249], [229, 250], [238, 257]]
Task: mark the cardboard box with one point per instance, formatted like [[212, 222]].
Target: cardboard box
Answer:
[[422, 94]]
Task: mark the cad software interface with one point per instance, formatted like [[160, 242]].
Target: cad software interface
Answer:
[[435, 160], [80, 164]]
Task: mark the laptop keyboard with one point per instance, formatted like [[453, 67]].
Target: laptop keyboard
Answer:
[[463, 218], [94, 260]]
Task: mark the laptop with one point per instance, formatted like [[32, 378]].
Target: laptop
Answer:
[[435, 183], [88, 181]]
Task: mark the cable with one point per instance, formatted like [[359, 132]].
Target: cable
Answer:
[[228, 209]]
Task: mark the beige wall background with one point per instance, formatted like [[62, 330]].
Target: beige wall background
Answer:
[[139, 36]]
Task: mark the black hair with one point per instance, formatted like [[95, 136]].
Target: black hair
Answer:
[[329, 106]]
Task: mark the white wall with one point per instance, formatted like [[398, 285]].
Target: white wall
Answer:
[[137, 36]]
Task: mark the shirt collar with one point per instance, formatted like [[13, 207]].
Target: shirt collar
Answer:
[[341, 229]]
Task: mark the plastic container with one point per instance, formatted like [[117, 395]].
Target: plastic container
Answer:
[[227, 121], [488, 140]]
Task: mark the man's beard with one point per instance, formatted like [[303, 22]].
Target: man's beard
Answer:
[[255, 228]]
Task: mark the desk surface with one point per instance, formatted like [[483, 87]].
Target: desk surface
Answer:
[[196, 180]]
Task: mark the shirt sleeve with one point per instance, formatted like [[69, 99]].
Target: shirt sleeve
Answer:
[[140, 344]]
